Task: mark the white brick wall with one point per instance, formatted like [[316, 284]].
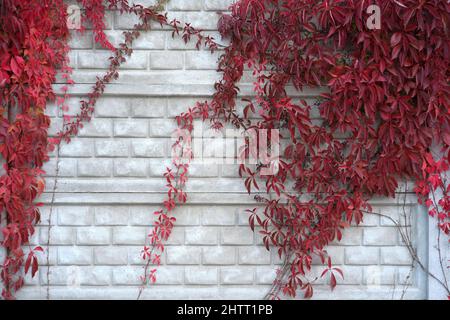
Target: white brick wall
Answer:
[[110, 183]]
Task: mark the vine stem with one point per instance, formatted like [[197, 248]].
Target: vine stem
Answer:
[[179, 187], [54, 189], [411, 250], [438, 247]]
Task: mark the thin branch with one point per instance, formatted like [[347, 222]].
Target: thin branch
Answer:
[[411, 250]]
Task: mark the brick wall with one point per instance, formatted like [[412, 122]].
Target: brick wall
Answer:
[[109, 184]]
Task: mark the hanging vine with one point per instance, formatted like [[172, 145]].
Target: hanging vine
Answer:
[[34, 47], [388, 96]]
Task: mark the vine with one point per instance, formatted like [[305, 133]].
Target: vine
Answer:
[[388, 96], [34, 37]]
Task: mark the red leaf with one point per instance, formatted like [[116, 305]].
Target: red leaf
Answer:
[[308, 291], [332, 281], [15, 67]]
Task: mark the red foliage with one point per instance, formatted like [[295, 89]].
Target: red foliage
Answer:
[[388, 96], [33, 48], [33, 41]]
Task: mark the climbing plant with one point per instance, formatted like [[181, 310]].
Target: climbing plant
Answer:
[[34, 47], [387, 102]]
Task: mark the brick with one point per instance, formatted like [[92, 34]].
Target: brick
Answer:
[[350, 237], [74, 276], [48, 213], [111, 255], [149, 108], [94, 168], [50, 257], [218, 4], [126, 275], [201, 60], [201, 236], [130, 168], [79, 40], [142, 215], [113, 107], [179, 105], [131, 128], [152, 40], [67, 167], [170, 275], [370, 220], [229, 171], [58, 236], [100, 60], [135, 255], [236, 275], [361, 255], [203, 170], [178, 43], [237, 236], [218, 216], [96, 276], [183, 5], [395, 256], [162, 127], [75, 215], [386, 236], [55, 126], [112, 148], [336, 253], [125, 21], [379, 275], [113, 215], [183, 255], [188, 216], [243, 216], [353, 275], [254, 255], [396, 213], [93, 236], [167, 60], [406, 276], [201, 275], [157, 167], [265, 275], [219, 255], [202, 20], [74, 256], [60, 275], [129, 235], [97, 128], [176, 237], [77, 148], [147, 41], [149, 148]]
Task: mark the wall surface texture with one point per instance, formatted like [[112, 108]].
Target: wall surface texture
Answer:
[[110, 182]]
